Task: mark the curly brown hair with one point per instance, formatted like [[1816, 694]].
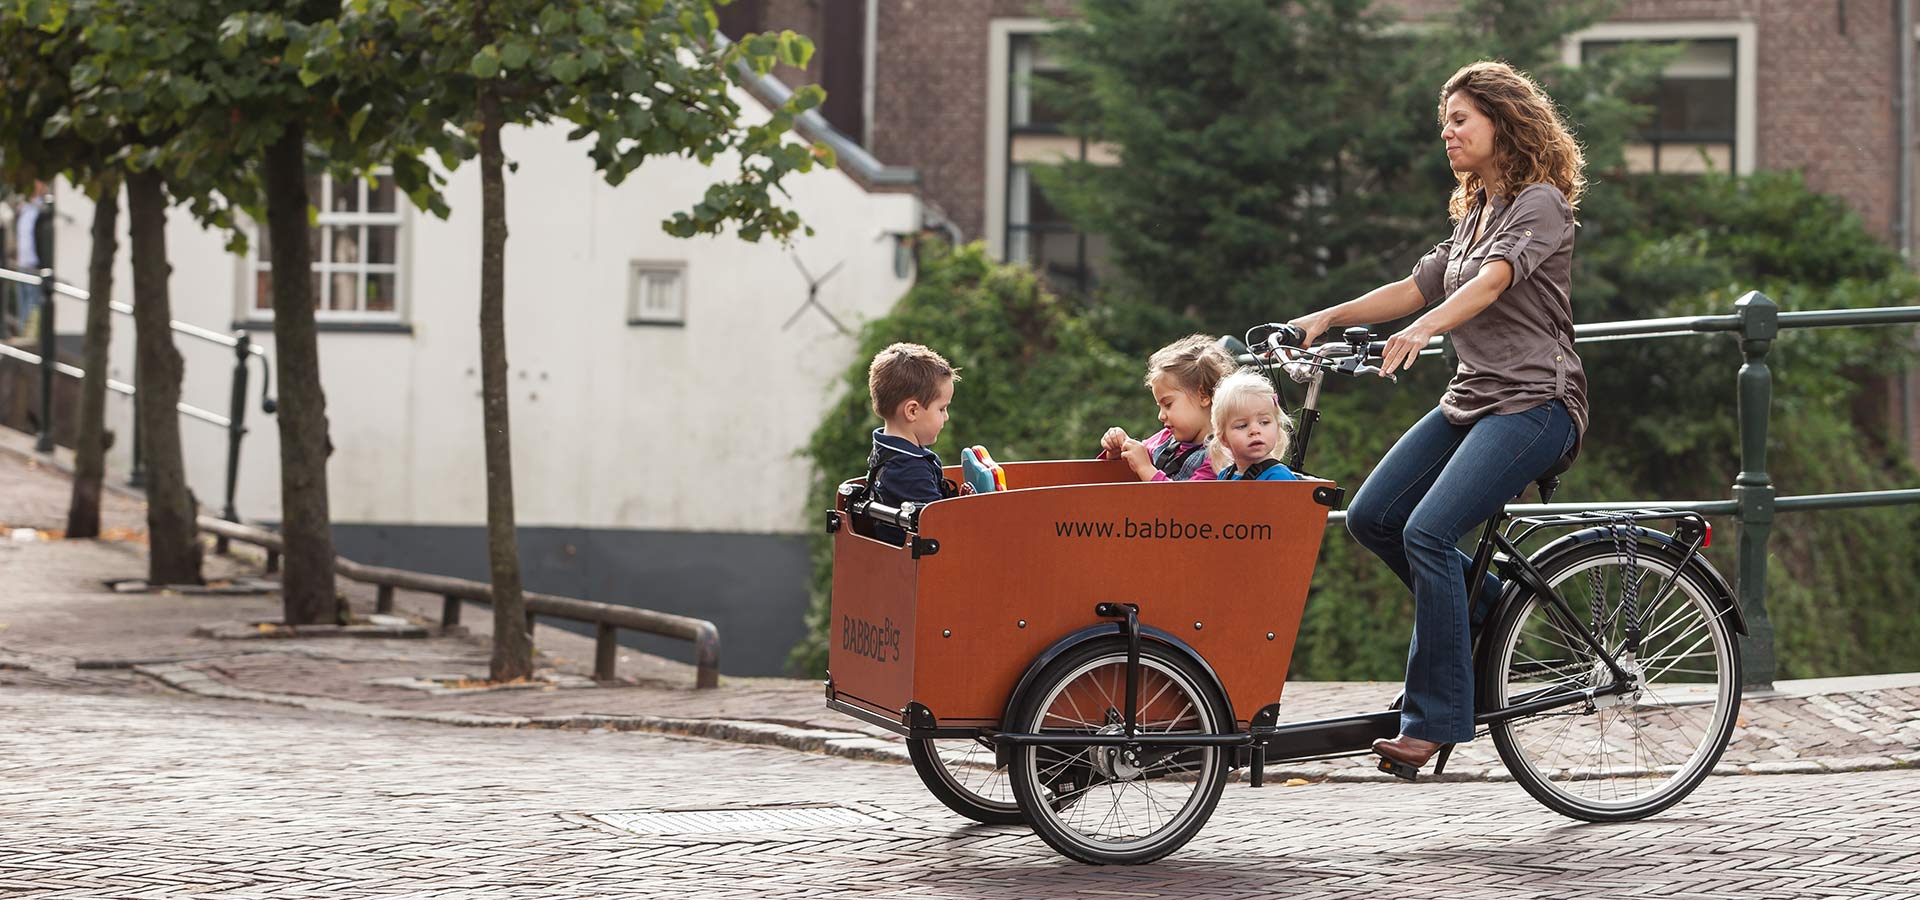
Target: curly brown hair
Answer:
[[1531, 142]]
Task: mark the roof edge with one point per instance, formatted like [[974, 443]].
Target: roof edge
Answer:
[[852, 158]]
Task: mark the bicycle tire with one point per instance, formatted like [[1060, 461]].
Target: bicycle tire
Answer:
[[1066, 821], [981, 800], [1662, 718]]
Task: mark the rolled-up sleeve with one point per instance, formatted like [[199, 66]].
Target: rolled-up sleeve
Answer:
[[1430, 273], [1532, 230]]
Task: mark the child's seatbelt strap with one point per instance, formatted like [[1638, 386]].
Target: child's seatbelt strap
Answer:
[[1175, 461]]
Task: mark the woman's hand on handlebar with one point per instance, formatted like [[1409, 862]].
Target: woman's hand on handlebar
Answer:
[[1404, 347], [1313, 325]]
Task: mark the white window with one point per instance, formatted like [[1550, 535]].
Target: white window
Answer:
[[657, 293], [1703, 107], [356, 252], [1024, 131]]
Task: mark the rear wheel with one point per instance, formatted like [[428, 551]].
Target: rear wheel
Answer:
[[964, 775], [1629, 755], [1114, 804]]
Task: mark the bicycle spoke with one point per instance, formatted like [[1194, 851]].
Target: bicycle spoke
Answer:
[[1629, 753]]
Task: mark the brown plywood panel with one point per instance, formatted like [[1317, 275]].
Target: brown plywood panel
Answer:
[[1234, 557], [870, 636], [1058, 473]]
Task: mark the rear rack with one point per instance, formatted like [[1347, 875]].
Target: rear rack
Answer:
[[1692, 523]]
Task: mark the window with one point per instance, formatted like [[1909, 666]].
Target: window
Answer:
[[1703, 106], [355, 246], [1026, 132], [1691, 128], [657, 294]]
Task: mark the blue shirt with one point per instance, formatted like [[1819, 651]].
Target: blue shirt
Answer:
[[906, 473], [1277, 471]]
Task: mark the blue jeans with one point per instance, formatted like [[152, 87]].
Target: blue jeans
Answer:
[[1437, 483]]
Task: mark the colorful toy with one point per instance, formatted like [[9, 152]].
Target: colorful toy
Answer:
[[982, 473]]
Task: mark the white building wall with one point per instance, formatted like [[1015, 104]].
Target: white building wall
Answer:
[[694, 428]]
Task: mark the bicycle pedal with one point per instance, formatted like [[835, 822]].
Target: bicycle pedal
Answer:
[[1399, 769], [1440, 761]]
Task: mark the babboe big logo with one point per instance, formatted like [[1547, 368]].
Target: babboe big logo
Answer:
[[870, 640]]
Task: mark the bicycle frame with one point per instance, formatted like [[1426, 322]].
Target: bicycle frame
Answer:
[[1269, 739]]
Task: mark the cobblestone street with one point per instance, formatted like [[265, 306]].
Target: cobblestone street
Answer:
[[124, 790]]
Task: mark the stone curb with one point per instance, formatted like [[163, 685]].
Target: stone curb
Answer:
[[858, 746], [250, 631], [199, 683]]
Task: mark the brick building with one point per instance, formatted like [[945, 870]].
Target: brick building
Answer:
[[1823, 86]]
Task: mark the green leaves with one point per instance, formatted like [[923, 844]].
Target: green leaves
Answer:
[[793, 49], [514, 53], [807, 97], [567, 69], [486, 63], [765, 50]]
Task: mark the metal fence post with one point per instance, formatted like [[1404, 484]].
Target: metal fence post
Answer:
[[137, 475], [236, 428], [1753, 490], [606, 649], [47, 361], [48, 350]]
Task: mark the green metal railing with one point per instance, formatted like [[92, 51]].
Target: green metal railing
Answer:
[[234, 422], [1758, 321]]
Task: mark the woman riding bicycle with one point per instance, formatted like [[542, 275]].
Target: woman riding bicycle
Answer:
[[1517, 404]]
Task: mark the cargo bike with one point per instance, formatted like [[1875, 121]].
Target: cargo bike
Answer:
[[1092, 655]]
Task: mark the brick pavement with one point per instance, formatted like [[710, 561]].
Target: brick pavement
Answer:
[[142, 793]]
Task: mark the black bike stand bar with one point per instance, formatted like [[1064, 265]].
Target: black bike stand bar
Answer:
[[1323, 736]]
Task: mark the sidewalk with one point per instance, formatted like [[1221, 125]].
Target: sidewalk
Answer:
[[61, 624]]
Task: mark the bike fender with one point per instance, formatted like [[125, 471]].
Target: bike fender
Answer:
[[1112, 629], [1722, 593]]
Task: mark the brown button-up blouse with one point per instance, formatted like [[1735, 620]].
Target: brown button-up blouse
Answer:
[[1518, 352]]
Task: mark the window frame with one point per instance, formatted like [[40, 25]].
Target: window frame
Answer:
[[400, 219], [637, 271], [1005, 173], [1745, 38]]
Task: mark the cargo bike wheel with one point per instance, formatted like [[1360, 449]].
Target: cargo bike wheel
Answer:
[[1629, 755], [964, 774], [1109, 804]]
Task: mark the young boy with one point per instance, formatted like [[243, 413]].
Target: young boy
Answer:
[[911, 387]]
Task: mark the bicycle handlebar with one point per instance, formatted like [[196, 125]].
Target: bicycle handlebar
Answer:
[[1286, 345]]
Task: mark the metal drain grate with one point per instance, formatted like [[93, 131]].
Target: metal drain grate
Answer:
[[725, 821]]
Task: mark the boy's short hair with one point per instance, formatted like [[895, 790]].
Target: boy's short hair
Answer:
[[1196, 363], [905, 372]]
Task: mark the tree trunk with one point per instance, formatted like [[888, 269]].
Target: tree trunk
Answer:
[[173, 555], [89, 453], [306, 584], [512, 644]]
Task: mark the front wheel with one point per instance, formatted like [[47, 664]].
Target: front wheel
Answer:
[[964, 775], [1113, 804], [1630, 755]]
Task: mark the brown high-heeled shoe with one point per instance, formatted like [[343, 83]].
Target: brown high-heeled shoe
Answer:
[[1403, 756]]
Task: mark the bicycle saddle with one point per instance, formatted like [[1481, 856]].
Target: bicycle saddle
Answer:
[[1549, 481]]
